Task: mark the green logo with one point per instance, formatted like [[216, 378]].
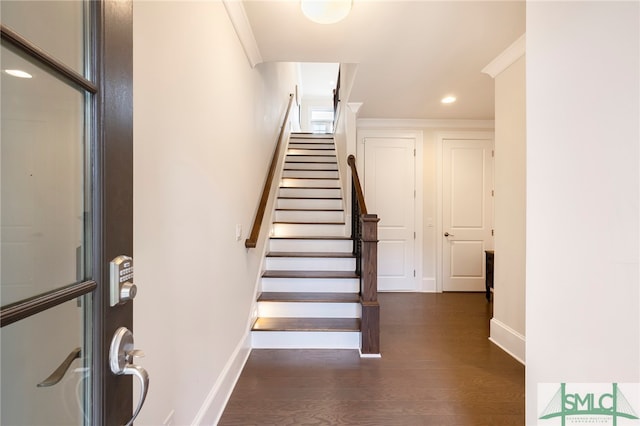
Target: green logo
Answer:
[[588, 404]]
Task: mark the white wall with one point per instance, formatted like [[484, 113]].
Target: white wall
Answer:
[[583, 303], [508, 323], [205, 125]]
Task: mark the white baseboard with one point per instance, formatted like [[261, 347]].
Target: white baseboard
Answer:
[[215, 402], [508, 340], [429, 285]]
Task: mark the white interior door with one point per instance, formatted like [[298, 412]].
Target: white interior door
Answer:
[[467, 212], [389, 186]]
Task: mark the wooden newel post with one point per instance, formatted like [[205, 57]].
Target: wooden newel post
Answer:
[[370, 326]]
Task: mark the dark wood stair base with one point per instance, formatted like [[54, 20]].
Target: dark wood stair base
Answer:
[[322, 254], [293, 297], [307, 324], [309, 274]]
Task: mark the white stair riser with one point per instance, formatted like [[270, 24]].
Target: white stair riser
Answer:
[[309, 216], [306, 183], [310, 264], [311, 158], [328, 174], [310, 166], [307, 230], [308, 310], [305, 340], [304, 151], [341, 246], [311, 137], [314, 145], [311, 285], [301, 203], [310, 192]]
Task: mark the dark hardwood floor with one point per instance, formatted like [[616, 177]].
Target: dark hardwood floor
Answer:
[[437, 368]]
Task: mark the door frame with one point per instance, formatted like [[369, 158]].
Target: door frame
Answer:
[[439, 240], [113, 200], [418, 252]]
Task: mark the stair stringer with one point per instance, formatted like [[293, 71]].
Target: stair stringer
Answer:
[[263, 239]]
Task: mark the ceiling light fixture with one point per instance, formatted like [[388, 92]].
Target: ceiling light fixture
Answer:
[[19, 73], [448, 100], [326, 11]]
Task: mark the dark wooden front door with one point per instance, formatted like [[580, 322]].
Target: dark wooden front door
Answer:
[[66, 208]]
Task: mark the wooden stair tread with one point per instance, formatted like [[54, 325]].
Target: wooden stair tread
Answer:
[[310, 198], [309, 297], [309, 210], [310, 170], [310, 148], [312, 237], [307, 324], [309, 274], [289, 222], [310, 178], [309, 187], [322, 254]]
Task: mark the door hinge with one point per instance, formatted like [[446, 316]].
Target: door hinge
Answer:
[[414, 273], [492, 193], [492, 232], [414, 235], [414, 152], [414, 193], [493, 153]]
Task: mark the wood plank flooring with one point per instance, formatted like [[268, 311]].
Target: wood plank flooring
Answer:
[[437, 368]]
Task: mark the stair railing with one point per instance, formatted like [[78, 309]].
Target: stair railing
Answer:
[[364, 233], [257, 222]]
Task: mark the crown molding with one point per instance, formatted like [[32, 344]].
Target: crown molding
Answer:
[[354, 106], [410, 123], [240, 21], [507, 57]]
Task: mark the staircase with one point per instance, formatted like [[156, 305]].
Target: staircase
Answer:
[[310, 290]]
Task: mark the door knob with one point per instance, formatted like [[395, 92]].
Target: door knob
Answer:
[[121, 355], [446, 234]]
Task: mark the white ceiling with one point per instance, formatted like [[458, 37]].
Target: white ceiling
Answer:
[[410, 53]]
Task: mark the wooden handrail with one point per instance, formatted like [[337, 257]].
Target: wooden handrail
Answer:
[[257, 222], [351, 160]]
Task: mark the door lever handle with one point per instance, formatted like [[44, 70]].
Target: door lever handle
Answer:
[[58, 373], [446, 234], [121, 355]]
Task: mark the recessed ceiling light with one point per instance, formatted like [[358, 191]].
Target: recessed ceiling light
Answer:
[[448, 100], [18, 73], [326, 11]]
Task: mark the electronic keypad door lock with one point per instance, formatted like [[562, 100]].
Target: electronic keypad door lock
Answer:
[[121, 283]]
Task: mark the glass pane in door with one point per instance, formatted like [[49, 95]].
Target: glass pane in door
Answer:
[[44, 229], [31, 351], [57, 27]]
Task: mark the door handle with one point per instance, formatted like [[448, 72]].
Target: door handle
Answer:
[[446, 234], [58, 373], [121, 355]]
